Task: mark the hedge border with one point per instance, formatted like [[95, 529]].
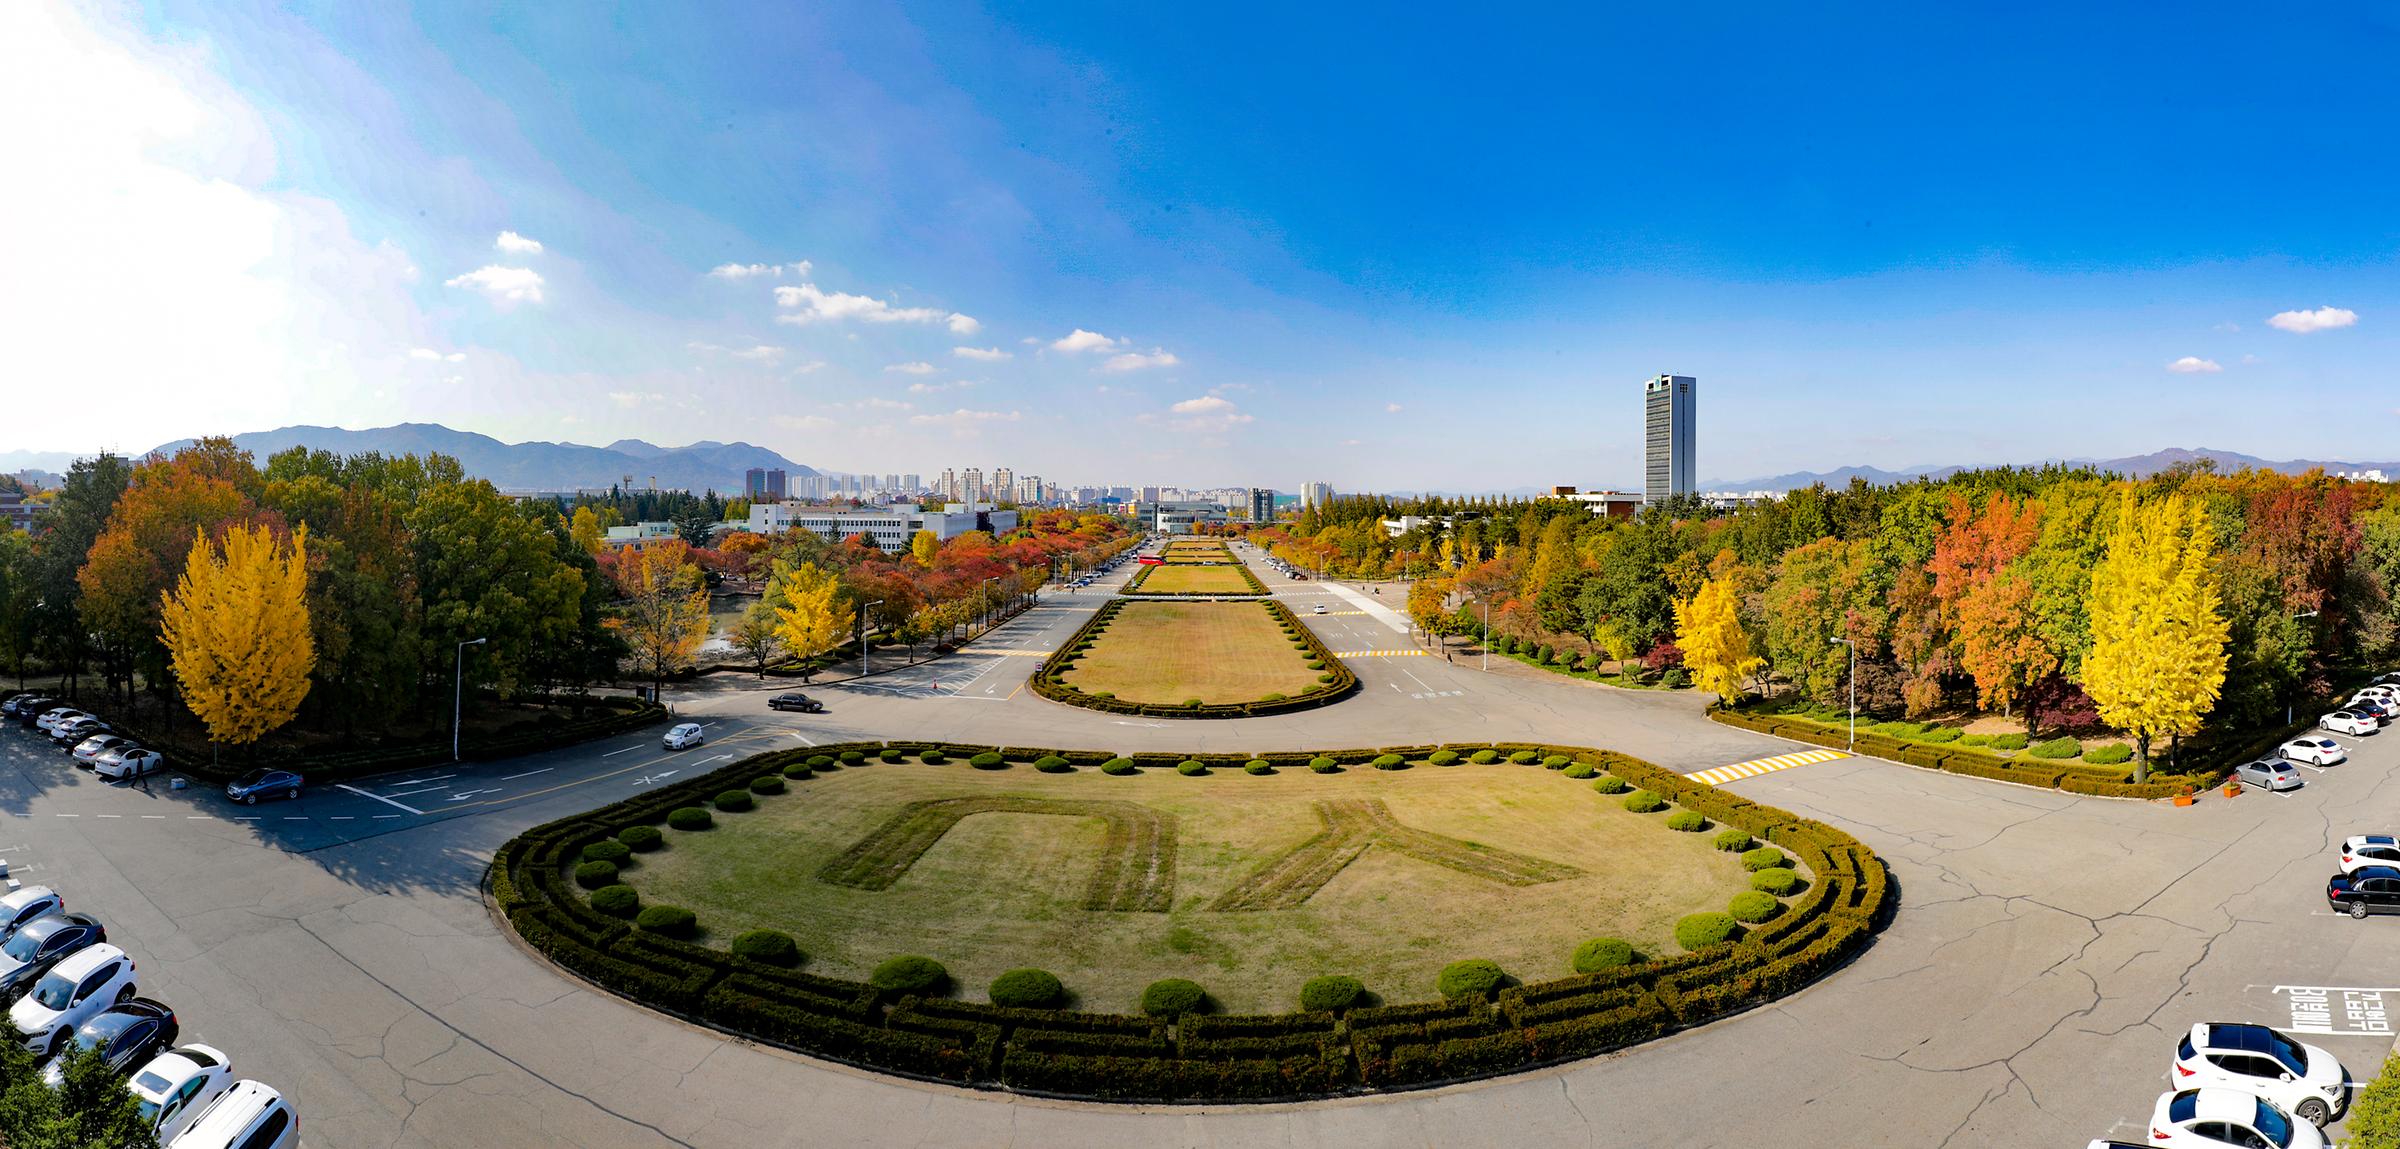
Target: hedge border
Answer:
[[1049, 683], [1950, 758], [1133, 586], [1268, 1057]]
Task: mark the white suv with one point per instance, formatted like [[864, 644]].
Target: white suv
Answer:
[[2303, 1080], [2369, 850], [73, 992], [247, 1116]]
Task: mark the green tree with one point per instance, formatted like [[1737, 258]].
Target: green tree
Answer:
[[19, 596], [63, 538], [757, 635], [91, 1107], [489, 572]]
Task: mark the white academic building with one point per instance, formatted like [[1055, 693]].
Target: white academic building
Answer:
[[891, 528]]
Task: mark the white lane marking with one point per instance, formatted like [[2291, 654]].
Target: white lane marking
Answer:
[[377, 797], [69, 815], [153, 817], [198, 818], [802, 737], [614, 753], [527, 774], [418, 790], [110, 815], [295, 817], [345, 817], [381, 817]]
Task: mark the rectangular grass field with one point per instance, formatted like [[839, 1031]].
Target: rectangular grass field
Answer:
[[1174, 579], [1172, 652]]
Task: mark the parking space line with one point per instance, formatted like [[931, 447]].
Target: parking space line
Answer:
[[377, 797]]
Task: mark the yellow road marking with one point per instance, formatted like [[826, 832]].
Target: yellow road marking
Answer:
[[1757, 766]]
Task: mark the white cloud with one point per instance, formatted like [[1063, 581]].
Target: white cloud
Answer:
[[878, 405], [815, 306], [762, 353], [803, 422], [911, 368], [809, 368], [1349, 442], [515, 244], [980, 354], [430, 355], [1080, 341], [1207, 414], [1205, 405], [503, 284], [2228, 325], [2194, 365], [1391, 408], [930, 388], [749, 270], [632, 399], [1136, 361], [964, 420], [2303, 322]]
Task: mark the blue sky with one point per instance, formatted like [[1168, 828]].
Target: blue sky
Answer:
[[1384, 246]]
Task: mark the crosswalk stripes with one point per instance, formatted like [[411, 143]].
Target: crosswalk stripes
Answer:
[[1757, 766], [1383, 654]]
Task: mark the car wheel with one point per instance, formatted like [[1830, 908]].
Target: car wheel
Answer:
[[124, 995], [58, 1045], [249, 799], [292, 793], [2358, 910], [2314, 1112]]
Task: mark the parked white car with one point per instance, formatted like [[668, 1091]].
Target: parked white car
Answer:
[[2347, 722], [2302, 1080], [2216, 1118], [131, 764], [176, 1085], [2316, 750], [70, 994], [90, 749], [25, 905], [684, 737], [51, 718], [2361, 850], [248, 1116]]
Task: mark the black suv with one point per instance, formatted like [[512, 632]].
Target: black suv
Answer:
[[42, 943], [796, 701]]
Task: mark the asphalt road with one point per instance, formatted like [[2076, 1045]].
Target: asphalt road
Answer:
[[2049, 951]]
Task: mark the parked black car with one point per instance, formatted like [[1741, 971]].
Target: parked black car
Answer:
[[796, 701], [44, 942], [130, 1033], [257, 784], [2365, 890], [30, 707]]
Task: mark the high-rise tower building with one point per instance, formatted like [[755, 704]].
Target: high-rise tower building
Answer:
[[1667, 411], [1262, 505], [763, 483]]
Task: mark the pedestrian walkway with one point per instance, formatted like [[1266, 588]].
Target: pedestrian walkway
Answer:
[[1757, 766], [1382, 653]]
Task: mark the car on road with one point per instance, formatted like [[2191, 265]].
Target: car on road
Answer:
[[73, 992], [126, 1035], [2315, 750], [90, 749], [75, 730], [684, 737], [2348, 722], [2365, 890], [26, 905], [2361, 850], [796, 701], [134, 763], [2302, 1080], [42, 944], [176, 1085], [2269, 774], [1320, 609], [250, 1115], [263, 783], [2216, 1118]]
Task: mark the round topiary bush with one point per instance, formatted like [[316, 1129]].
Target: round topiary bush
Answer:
[[1053, 764], [690, 818], [1325, 678], [1314, 664], [1118, 766], [907, 974], [1753, 906], [988, 760], [770, 947], [1443, 758], [767, 784], [1734, 841], [1602, 953], [1777, 881], [1484, 757], [1027, 989], [1524, 757], [1323, 765], [2109, 755], [1474, 977], [616, 901], [1192, 704], [1388, 762], [820, 761], [641, 839], [1764, 858], [1609, 784], [2008, 742], [932, 757], [593, 875], [1331, 993], [607, 850], [1173, 997], [1191, 767], [889, 754], [799, 771], [733, 801], [1688, 821], [1556, 762], [854, 757], [2058, 748], [673, 921], [1700, 931], [1257, 766], [1675, 678], [1644, 802]]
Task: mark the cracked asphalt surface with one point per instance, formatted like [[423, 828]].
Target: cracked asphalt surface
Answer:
[[2049, 951]]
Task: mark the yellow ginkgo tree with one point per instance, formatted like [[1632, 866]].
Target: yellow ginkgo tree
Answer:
[[809, 615], [237, 632], [1716, 649], [2158, 656]]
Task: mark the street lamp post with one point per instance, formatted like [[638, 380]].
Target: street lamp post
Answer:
[[1487, 634], [2287, 702], [983, 602], [862, 634], [1853, 690], [458, 692]]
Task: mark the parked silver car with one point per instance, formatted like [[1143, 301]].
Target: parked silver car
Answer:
[[2268, 774]]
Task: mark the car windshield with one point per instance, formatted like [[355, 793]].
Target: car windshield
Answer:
[[24, 945], [149, 1109], [2288, 1052], [2273, 1124], [252, 778], [54, 992]]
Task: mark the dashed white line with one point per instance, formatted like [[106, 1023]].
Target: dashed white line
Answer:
[[153, 817], [527, 774], [111, 815], [614, 753], [198, 818], [295, 817], [381, 817], [68, 815]]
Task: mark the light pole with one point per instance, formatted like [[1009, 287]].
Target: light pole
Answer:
[[862, 634], [1487, 634], [1853, 690], [2287, 703], [458, 691], [983, 603]]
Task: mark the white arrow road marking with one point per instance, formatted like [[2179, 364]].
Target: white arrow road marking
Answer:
[[466, 794], [647, 779]]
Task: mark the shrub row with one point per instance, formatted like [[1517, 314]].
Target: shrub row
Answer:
[[2045, 767], [614, 715], [1617, 998], [1338, 681]]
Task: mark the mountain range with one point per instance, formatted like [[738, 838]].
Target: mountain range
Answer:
[[702, 466], [2130, 466]]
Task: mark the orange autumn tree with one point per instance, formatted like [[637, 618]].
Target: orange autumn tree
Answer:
[[1984, 598], [663, 614]]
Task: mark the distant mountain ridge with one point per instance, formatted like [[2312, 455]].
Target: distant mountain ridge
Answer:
[[536, 466], [2131, 466]]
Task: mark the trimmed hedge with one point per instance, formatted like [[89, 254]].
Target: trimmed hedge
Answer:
[[733, 801], [1053, 764], [2046, 767], [1644, 802], [1474, 977], [1601, 954], [1753, 906], [2058, 748], [1336, 683], [641, 839], [1331, 993], [1443, 758], [1027, 989], [672, 921], [595, 874], [1484, 757], [1389, 762], [1687, 821], [1173, 997], [1699, 931], [767, 784], [617, 901], [1580, 770], [1118, 766], [608, 850], [1764, 858], [1732, 840], [988, 761], [1609, 784], [1191, 767], [1258, 766], [1189, 1056], [2109, 755], [1777, 881], [1322, 765], [908, 974], [769, 946]]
